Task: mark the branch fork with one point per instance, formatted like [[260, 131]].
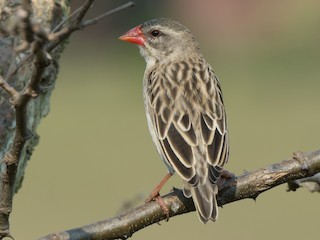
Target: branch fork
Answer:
[[36, 44]]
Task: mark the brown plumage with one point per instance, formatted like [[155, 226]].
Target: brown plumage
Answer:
[[185, 110]]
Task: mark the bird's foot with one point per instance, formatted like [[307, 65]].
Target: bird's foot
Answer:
[[155, 196], [226, 174], [163, 206], [225, 178]]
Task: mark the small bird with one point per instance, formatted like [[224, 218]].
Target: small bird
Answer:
[[185, 111]]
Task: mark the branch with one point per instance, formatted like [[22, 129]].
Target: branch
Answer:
[[84, 9], [5, 85], [106, 14], [32, 36], [56, 38], [79, 24], [248, 185], [20, 102], [311, 183]]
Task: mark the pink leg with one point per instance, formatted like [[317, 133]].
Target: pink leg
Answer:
[[156, 190], [155, 196]]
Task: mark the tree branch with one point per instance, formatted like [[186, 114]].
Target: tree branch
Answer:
[[56, 38], [20, 102], [6, 86], [85, 8], [79, 24], [35, 43], [106, 14], [248, 185], [311, 183]]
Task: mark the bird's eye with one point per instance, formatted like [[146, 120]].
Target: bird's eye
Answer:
[[155, 33]]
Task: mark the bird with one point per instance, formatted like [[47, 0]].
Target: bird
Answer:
[[184, 109]]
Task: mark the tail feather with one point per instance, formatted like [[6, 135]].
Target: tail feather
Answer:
[[214, 213], [204, 198]]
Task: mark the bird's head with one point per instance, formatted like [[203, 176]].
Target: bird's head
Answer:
[[162, 40]]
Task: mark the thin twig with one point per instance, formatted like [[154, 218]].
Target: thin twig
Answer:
[[6, 86], [85, 8], [64, 33], [104, 15], [23, 61], [248, 185], [58, 27], [56, 38]]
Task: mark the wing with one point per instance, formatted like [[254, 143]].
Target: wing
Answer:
[[186, 108], [214, 132]]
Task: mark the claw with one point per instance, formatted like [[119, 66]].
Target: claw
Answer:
[[163, 206], [155, 196], [223, 180]]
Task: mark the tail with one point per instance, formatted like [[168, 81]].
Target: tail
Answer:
[[205, 201]]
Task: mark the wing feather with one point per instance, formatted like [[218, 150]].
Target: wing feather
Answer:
[[188, 118], [184, 122], [185, 129], [162, 127], [185, 172]]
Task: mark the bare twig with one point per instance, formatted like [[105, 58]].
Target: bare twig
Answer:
[[104, 15], [80, 13], [56, 38], [85, 8], [58, 27], [64, 33], [248, 185], [6, 86], [11, 73]]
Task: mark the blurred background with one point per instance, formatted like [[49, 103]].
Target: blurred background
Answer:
[[95, 152]]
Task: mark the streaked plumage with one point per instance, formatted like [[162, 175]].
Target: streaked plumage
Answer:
[[185, 110]]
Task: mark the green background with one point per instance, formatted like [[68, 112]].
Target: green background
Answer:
[[95, 152]]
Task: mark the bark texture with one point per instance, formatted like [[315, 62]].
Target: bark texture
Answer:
[[48, 13]]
